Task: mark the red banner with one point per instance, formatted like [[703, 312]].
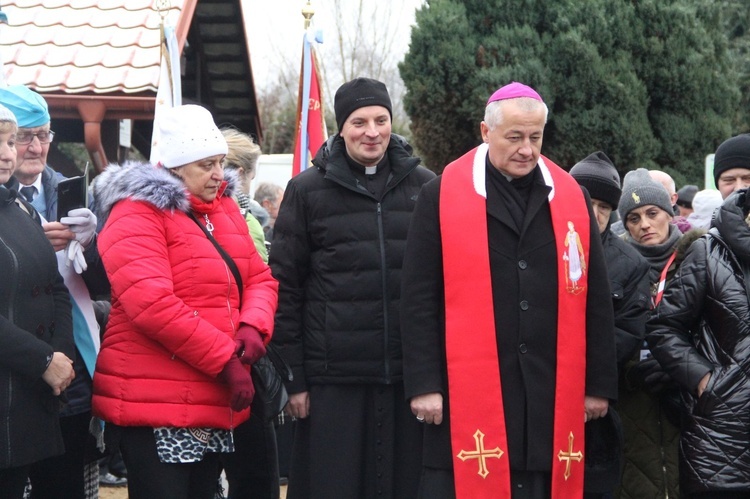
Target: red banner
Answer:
[[310, 132]]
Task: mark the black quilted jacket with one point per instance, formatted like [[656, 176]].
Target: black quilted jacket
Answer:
[[708, 296], [337, 254]]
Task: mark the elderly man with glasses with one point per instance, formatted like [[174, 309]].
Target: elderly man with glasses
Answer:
[[32, 178]]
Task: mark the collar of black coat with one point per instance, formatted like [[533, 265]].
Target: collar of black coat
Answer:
[[6, 196]]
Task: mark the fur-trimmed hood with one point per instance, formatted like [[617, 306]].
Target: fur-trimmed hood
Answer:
[[687, 239], [146, 182]]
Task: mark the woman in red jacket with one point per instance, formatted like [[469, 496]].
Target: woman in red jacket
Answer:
[[172, 378]]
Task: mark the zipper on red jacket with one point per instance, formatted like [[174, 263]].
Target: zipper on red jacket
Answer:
[[229, 294], [234, 331]]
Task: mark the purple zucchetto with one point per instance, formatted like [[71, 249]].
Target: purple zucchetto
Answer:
[[514, 90]]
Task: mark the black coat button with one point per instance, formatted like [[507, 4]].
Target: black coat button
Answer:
[[48, 289], [40, 330], [524, 305], [522, 348], [522, 264], [35, 291]]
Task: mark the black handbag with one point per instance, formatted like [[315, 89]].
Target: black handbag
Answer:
[[270, 393]]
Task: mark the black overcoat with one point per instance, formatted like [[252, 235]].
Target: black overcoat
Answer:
[[35, 321], [524, 284]]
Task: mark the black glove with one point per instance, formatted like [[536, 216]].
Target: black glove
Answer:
[[648, 375]]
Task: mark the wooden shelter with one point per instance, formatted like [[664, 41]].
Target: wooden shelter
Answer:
[[97, 62]]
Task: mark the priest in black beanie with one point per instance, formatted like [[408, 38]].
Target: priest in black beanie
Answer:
[[338, 248], [631, 298], [360, 92]]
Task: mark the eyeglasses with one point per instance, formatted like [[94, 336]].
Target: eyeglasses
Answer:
[[45, 137]]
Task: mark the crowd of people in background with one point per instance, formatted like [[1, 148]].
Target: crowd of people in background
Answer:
[[509, 328]]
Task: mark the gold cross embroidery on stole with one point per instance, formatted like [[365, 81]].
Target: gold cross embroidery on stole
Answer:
[[480, 453], [569, 456]]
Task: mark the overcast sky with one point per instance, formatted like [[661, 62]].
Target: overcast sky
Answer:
[[275, 29]]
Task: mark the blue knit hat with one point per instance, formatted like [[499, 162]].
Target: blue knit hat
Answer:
[[29, 107]]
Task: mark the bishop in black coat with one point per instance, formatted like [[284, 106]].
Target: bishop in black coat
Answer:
[[523, 264]]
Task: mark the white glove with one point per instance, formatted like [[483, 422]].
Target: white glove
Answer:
[[82, 222], [74, 255]]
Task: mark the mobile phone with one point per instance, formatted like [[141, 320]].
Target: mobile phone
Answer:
[[71, 194]]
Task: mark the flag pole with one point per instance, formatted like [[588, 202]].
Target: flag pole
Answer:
[[3, 20], [169, 90], [307, 12], [310, 131]]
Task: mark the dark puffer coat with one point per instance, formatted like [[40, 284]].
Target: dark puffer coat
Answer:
[[628, 282], [337, 254], [35, 321], [708, 296]]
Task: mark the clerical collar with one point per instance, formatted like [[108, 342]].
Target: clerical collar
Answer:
[[507, 177], [366, 170]]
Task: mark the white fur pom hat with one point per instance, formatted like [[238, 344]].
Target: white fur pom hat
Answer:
[[186, 134]]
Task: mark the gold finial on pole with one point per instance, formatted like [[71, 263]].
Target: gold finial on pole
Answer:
[[308, 12], [163, 7]]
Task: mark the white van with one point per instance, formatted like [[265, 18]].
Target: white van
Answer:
[[273, 168]]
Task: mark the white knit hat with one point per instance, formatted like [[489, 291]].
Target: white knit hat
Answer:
[[7, 115], [187, 134], [705, 203]]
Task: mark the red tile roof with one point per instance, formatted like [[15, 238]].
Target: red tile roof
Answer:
[[76, 46]]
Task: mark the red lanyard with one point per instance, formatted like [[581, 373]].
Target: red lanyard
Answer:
[[663, 280]]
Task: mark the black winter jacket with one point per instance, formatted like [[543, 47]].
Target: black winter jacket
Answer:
[[708, 297], [337, 254], [629, 284], [35, 321]]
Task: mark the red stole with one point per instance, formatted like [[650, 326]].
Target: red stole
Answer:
[[480, 460]]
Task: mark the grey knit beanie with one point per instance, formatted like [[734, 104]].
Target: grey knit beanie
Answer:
[[639, 189], [599, 176], [685, 196]]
